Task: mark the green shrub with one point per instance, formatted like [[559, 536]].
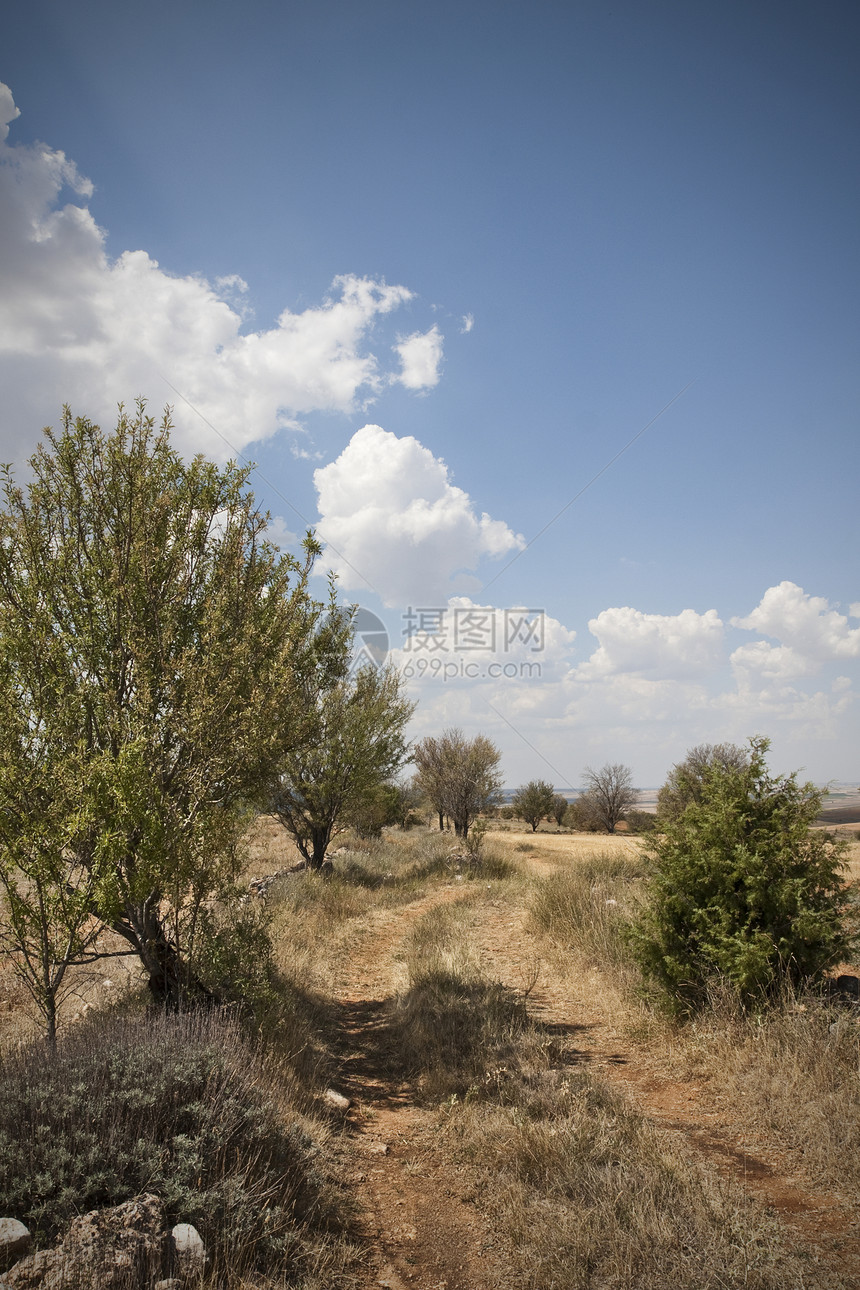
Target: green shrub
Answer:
[[171, 1105], [743, 888]]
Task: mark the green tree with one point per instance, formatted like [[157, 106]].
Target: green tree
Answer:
[[685, 780], [151, 648], [352, 742], [559, 808], [742, 887], [460, 776], [534, 801], [607, 794]]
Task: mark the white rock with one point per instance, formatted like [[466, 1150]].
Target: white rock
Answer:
[[190, 1250], [337, 1100]]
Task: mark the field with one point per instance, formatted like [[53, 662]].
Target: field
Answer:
[[518, 1115]]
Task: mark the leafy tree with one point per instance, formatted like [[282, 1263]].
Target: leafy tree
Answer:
[[607, 794], [559, 808], [352, 742], [743, 887], [685, 781], [534, 801], [579, 818], [459, 776], [151, 645]]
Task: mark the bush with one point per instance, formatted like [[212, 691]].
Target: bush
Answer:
[[743, 888], [170, 1105], [640, 821]]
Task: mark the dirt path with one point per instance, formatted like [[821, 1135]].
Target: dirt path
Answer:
[[421, 1225]]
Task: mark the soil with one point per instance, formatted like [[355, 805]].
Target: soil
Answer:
[[421, 1223]]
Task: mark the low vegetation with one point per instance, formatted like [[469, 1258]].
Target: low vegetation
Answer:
[[179, 1106]]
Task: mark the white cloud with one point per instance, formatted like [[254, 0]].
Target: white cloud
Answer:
[[395, 522], [420, 359], [79, 327], [813, 632], [468, 322], [657, 645]]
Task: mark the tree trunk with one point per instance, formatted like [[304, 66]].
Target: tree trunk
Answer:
[[172, 982], [320, 838]]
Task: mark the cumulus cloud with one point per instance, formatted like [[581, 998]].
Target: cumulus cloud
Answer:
[[809, 631], [77, 326], [393, 521], [467, 323], [654, 645], [420, 359]]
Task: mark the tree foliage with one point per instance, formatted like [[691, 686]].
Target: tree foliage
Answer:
[[742, 887], [607, 794], [151, 648], [352, 742], [533, 802], [685, 781], [459, 776], [559, 808]]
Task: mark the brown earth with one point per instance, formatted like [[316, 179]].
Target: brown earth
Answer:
[[422, 1222]]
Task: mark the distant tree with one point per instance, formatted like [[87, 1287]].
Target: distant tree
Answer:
[[460, 776], [152, 644], [533, 802], [640, 821], [385, 804], [607, 794], [352, 741], [743, 887], [559, 808], [579, 818], [685, 781]]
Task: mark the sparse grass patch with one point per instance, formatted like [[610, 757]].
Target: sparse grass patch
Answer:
[[792, 1070], [586, 1194], [452, 1025], [179, 1106], [582, 1191], [586, 907]]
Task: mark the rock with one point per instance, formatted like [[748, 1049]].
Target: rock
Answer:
[[189, 1250], [15, 1242], [378, 1148], [169, 1283], [107, 1249], [337, 1100]]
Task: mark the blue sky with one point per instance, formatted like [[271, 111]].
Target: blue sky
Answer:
[[507, 236]]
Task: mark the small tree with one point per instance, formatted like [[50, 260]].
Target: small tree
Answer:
[[742, 887], [559, 808], [533, 802], [151, 648], [685, 781], [607, 794], [460, 776], [352, 741]]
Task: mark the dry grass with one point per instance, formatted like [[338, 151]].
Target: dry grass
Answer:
[[582, 1191], [793, 1071]]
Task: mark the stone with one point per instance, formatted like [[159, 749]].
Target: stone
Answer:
[[15, 1241], [336, 1100], [107, 1249], [189, 1250], [169, 1283]]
